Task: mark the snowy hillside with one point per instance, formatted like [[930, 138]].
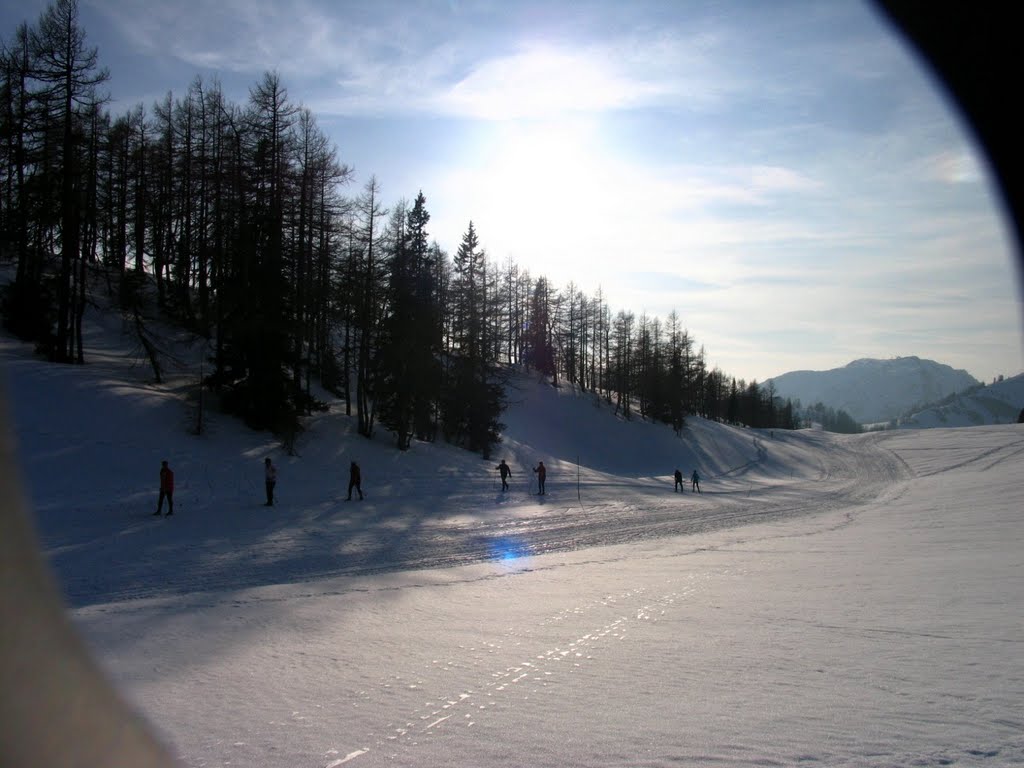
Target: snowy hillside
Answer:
[[826, 599], [874, 390], [114, 428], [998, 403]]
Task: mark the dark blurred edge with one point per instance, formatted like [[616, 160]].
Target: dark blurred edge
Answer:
[[976, 50]]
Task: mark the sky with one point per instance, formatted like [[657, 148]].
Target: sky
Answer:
[[785, 176]]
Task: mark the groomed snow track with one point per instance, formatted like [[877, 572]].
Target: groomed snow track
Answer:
[[361, 538]]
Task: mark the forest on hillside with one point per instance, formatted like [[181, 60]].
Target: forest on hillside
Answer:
[[238, 221]]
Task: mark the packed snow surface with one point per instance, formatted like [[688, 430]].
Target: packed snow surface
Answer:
[[830, 600]]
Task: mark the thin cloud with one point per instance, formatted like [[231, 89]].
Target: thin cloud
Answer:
[[777, 179], [534, 81], [541, 82], [240, 36], [396, 60]]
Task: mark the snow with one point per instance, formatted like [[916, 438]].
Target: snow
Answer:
[[839, 600]]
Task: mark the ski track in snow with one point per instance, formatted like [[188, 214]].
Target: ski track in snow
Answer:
[[368, 542], [481, 686], [492, 690]]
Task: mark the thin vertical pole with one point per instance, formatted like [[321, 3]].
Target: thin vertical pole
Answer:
[[579, 499]]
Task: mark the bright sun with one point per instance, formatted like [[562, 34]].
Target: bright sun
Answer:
[[549, 178]]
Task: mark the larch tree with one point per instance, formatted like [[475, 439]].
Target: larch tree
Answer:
[[369, 263], [69, 74]]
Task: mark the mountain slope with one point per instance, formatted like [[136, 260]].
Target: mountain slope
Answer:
[[875, 390], [998, 403]]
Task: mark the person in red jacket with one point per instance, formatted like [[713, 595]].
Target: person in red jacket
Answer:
[[166, 489]]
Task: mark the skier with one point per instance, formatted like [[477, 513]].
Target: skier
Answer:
[[166, 489], [679, 482], [503, 468], [354, 481], [541, 474], [270, 471], [695, 482]]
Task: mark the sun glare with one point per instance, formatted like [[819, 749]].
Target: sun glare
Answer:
[[558, 198], [550, 179]]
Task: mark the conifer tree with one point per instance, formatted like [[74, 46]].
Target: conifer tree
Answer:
[[410, 345], [474, 397], [263, 393], [52, 80], [541, 353], [368, 304]]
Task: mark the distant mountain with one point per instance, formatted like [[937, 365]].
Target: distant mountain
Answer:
[[875, 390], [998, 403]]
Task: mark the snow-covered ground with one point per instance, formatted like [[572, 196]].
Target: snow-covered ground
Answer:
[[830, 600]]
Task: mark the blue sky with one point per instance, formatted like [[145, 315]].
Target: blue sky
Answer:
[[784, 175]]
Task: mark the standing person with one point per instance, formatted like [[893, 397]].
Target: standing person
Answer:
[[355, 480], [695, 482], [270, 473], [679, 482], [166, 489], [541, 475], [505, 473]]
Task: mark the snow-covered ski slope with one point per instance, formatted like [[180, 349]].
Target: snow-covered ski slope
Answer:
[[838, 600], [93, 438]]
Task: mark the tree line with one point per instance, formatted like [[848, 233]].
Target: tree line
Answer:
[[234, 220]]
